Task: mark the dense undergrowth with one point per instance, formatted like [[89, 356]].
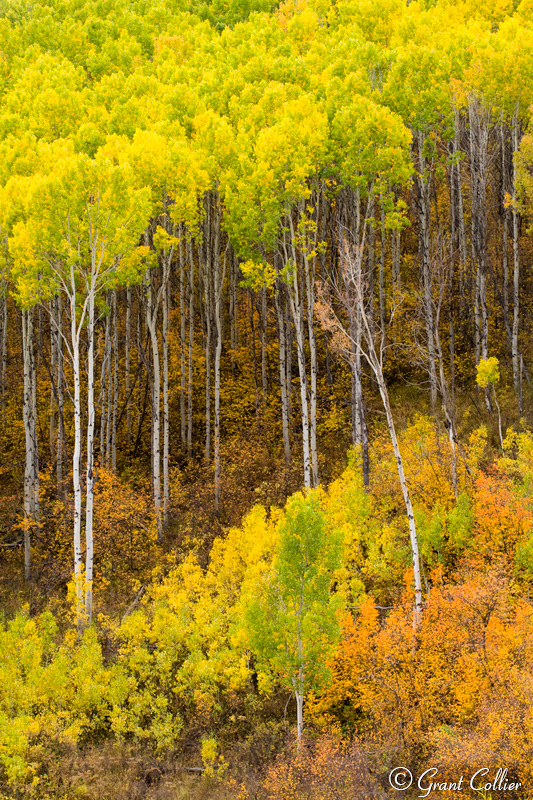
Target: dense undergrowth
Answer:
[[169, 695]]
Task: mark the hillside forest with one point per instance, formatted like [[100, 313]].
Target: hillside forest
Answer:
[[266, 473]]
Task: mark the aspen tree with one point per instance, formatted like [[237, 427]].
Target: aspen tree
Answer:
[[291, 618], [29, 409], [280, 159], [78, 236], [370, 147], [372, 352], [177, 181]]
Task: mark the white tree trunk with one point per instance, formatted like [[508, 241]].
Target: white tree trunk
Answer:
[[76, 456], [89, 488], [295, 302], [127, 363], [183, 344], [218, 278], [283, 374], [424, 212], [115, 381], [313, 368], [166, 481], [296, 310], [190, 383], [354, 277], [151, 323], [60, 395], [31, 472]]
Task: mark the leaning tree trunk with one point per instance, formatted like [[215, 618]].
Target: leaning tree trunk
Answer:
[[374, 357]]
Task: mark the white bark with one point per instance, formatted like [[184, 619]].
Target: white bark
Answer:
[[115, 381], [278, 302], [183, 343], [151, 324], [218, 277], [60, 395], [479, 135], [309, 272], [89, 488], [166, 418], [76, 456], [127, 363], [373, 354], [296, 307], [31, 472], [424, 219], [190, 384]]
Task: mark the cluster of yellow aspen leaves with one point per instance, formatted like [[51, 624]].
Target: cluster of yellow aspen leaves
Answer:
[[232, 229]]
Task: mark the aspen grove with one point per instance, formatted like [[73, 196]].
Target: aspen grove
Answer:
[[266, 500]]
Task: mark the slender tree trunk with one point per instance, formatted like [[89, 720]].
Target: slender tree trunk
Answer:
[[115, 381], [76, 457], [166, 416], [264, 375], [371, 266], [313, 368], [296, 306], [406, 494], [424, 219], [505, 226], [183, 343], [31, 472], [60, 452], [299, 716], [191, 351], [90, 475], [127, 364], [278, 303], [151, 323], [208, 336], [478, 173], [289, 339], [109, 381], [382, 307], [374, 358], [254, 357], [296, 310], [53, 370], [207, 268], [3, 352], [218, 286], [516, 264]]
